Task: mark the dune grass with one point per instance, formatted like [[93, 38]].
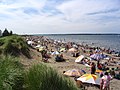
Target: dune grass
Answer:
[[38, 77], [14, 45], [11, 76], [42, 77]]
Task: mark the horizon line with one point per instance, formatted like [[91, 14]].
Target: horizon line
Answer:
[[75, 34]]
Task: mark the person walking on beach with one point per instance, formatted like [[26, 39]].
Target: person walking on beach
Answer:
[[105, 82], [93, 68]]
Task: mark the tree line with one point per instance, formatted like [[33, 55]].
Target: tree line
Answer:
[[6, 33]]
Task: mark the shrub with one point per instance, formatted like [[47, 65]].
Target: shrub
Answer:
[[41, 77]]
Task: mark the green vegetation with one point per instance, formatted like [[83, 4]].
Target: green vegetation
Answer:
[[14, 45], [38, 77], [41, 77], [11, 77]]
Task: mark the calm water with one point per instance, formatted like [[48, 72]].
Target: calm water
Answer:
[[112, 41]]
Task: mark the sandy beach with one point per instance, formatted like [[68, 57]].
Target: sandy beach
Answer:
[[69, 63]]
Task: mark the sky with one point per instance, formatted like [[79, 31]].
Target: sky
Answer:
[[60, 16]]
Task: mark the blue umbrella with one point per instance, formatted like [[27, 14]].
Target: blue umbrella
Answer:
[[97, 56]]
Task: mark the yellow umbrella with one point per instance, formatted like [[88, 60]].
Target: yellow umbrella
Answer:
[[90, 78]]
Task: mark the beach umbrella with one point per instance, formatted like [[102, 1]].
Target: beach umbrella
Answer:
[[78, 59], [97, 56], [72, 50], [73, 73], [90, 78]]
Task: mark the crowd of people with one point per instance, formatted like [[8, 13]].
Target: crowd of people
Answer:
[[49, 47]]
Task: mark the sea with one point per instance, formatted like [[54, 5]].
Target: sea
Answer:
[[111, 41]]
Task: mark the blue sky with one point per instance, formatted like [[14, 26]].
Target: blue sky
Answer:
[[60, 16]]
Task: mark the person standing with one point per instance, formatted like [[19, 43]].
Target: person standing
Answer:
[[105, 82], [93, 68]]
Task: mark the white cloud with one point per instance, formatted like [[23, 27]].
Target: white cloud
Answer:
[[74, 16], [77, 9]]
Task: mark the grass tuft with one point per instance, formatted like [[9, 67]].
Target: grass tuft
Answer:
[[11, 76], [41, 77]]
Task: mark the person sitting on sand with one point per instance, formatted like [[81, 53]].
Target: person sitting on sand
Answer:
[[59, 58], [101, 74], [100, 67], [112, 72], [108, 69], [117, 76], [45, 56], [103, 67], [117, 68], [73, 54], [77, 54]]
